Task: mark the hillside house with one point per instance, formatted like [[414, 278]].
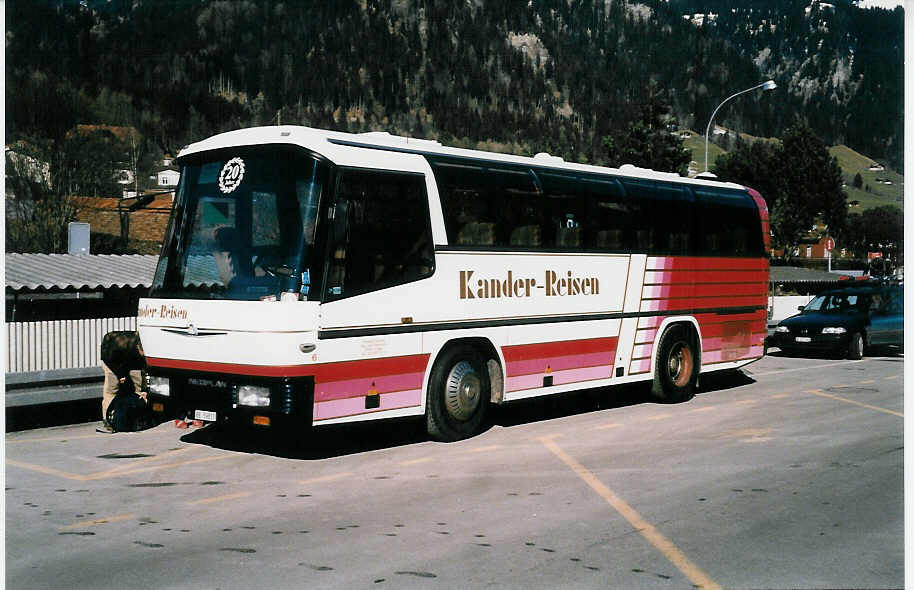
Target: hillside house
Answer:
[[167, 177], [143, 218]]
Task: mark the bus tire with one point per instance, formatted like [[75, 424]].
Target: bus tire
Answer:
[[677, 366], [458, 394]]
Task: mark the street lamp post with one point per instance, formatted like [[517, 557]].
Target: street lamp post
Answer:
[[769, 85]]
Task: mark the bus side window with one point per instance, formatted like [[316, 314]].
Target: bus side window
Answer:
[[465, 202], [565, 211], [730, 224], [381, 234], [519, 211], [611, 218]]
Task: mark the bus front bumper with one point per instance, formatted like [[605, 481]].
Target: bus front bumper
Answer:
[[237, 399]]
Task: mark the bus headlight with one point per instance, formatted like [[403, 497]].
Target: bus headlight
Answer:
[[158, 385], [253, 395], [837, 330], [782, 329]]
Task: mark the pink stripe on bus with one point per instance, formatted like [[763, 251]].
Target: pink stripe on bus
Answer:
[[362, 387], [559, 363], [523, 382], [353, 406]]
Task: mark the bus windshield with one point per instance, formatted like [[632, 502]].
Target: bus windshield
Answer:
[[243, 226]]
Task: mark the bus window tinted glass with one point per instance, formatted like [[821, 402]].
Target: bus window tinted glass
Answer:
[[729, 223], [565, 211], [666, 220], [612, 219], [486, 205], [380, 235]]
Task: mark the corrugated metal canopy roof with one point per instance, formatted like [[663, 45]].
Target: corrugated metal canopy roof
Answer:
[[66, 272], [794, 274]]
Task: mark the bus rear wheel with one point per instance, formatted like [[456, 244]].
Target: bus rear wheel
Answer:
[[677, 366], [458, 394]]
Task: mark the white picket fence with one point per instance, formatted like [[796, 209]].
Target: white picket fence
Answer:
[[59, 344]]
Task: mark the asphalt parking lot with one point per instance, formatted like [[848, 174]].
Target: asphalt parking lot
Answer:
[[788, 475]]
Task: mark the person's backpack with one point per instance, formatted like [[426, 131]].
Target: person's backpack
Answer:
[[128, 412]]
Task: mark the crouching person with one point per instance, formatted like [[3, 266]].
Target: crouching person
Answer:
[[123, 398]]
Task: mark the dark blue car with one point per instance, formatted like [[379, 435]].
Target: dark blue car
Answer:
[[845, 322]]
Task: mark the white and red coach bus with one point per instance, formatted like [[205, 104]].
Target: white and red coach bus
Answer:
[[312, 277]]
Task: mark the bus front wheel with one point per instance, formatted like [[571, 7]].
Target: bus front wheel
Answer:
[[458, 394], [677, 366]]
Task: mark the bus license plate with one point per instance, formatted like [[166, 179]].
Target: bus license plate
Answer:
[[205, 415], [804, 339]]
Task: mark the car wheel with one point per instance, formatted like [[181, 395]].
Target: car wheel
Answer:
[[855, 346], [458, 394]]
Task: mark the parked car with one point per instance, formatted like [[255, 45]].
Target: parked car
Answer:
[[845, 322]]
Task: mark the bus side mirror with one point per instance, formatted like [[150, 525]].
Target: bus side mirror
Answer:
[[801, 308]]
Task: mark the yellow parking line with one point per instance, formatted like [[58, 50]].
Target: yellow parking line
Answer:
[[325, 478], [219, 498], [607, 426], [821, 393], [658, 417], [98, 521], [705, 409], [484, 449], [892, 377], [106, 474], [867, 382], [55, 438], [780, 395], [118, 473], [46, 470], [416, 461], [698, 578], [144, 460]]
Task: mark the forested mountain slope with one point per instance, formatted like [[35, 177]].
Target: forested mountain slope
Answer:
[[525, 75]]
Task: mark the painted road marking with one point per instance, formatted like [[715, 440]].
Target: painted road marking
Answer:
[[647, 530], [867, 382], [607, 426], [107, 474], [416, 461], [484, 449], [811, 368], [97, 521], [54, 439], [780, 395], [821, 393], [892, 377], [705, 409], [325, 478], [658, 417], [215, 499]]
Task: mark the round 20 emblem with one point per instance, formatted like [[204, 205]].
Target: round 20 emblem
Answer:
[[231, 176]]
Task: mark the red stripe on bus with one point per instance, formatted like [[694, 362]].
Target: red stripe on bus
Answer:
[[702, 290], [523, 352], [322, 372], [672, 277], [683, 263]]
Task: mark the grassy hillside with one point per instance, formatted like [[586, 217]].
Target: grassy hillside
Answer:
[[880, 187], [695, 143]]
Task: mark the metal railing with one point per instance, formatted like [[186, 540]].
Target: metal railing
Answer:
[[58, 344]]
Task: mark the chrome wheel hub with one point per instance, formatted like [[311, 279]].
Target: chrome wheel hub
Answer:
[[463, 391]]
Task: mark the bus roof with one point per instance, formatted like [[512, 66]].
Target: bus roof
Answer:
[[350, 149]]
